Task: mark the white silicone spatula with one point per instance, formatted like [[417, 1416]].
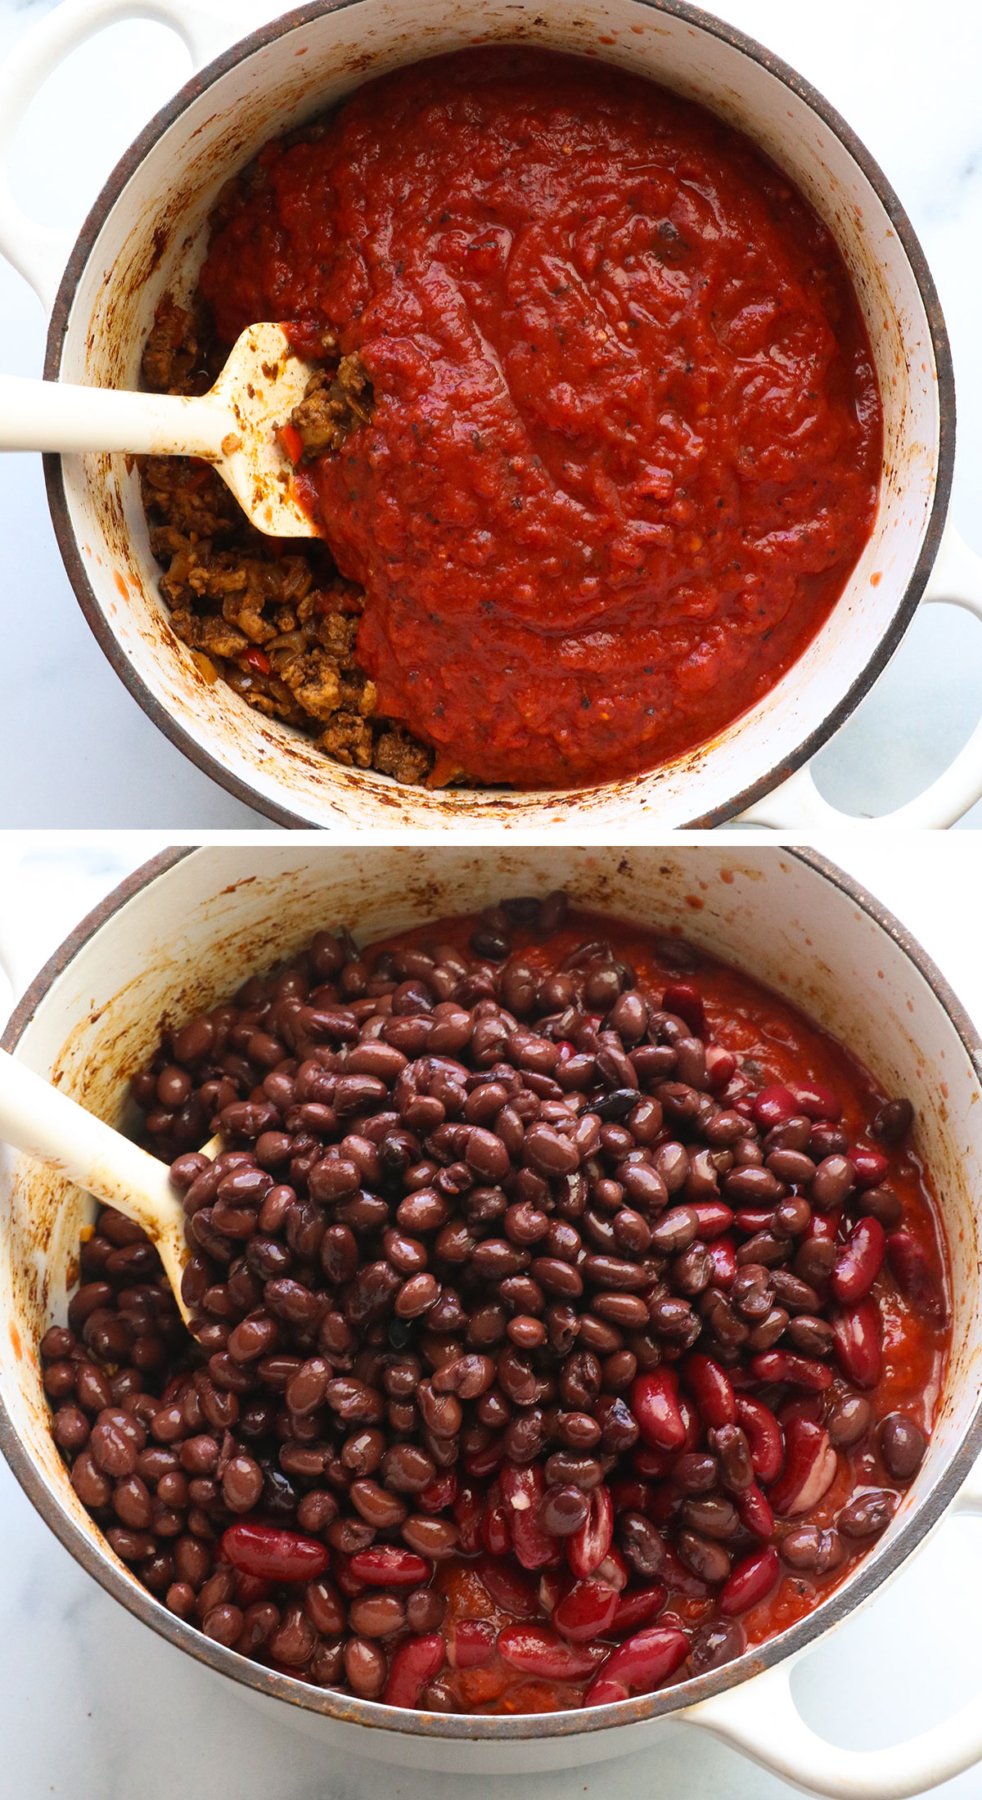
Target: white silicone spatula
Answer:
[[46, 1125], [233, 426]]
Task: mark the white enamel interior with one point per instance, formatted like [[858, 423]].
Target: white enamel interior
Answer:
[[186, 939], [152, 241]]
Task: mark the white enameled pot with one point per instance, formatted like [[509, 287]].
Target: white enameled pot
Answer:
[[182, 932], [145, 235]]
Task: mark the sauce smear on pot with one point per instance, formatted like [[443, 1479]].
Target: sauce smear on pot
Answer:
[[625, 436]]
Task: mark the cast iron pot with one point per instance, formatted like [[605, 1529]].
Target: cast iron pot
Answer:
[[145, 236], [181, 933]]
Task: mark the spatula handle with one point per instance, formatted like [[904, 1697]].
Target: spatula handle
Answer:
[[53, 1129], [54, 415]]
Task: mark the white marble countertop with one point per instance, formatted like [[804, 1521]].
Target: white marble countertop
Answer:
[[85, 753], [94, 1707]]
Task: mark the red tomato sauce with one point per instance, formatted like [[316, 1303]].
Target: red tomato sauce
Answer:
[[773, 1043], [626, 437]]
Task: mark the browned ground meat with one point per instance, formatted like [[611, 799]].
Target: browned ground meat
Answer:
[[273, 619], [335, 400]]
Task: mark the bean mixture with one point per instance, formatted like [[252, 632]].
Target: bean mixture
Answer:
[[569, 1313]]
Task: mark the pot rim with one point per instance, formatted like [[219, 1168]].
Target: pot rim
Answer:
[[870, 1573], [207, 760]]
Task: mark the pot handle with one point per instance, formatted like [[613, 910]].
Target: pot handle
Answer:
[[13, 981], [797, 805], [39, 252], [761, 1719]]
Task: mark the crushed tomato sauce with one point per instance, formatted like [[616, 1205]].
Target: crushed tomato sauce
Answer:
[[626, 438]]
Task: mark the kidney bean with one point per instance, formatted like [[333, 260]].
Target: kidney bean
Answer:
[[587, 1611], [857, 1342], [654, 1401], [722, 1262], [643, 1662], [269, 1551], [809, 1469], [713, 1218], [509, 1587], [859, 1262], [763, 1435], [774, 1106], [799, 1371], [386, 1565], [914, 1275], [711, 1388], [587, 1547], [751, 1581], [470, 1643], [870, 1167], [818, 1102], [755, 1511], [540, 1651], [638, 1607]]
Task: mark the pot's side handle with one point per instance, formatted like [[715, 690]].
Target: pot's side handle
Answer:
[[16, 974], [760, 1718], [39, 252], [7, 977], [797, 805]]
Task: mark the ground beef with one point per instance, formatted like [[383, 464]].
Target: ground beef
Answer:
[[334, 402], [273, 619]]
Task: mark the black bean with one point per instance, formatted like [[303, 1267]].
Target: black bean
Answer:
[[892, 1121], [868, 1515], [902, 1445]]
